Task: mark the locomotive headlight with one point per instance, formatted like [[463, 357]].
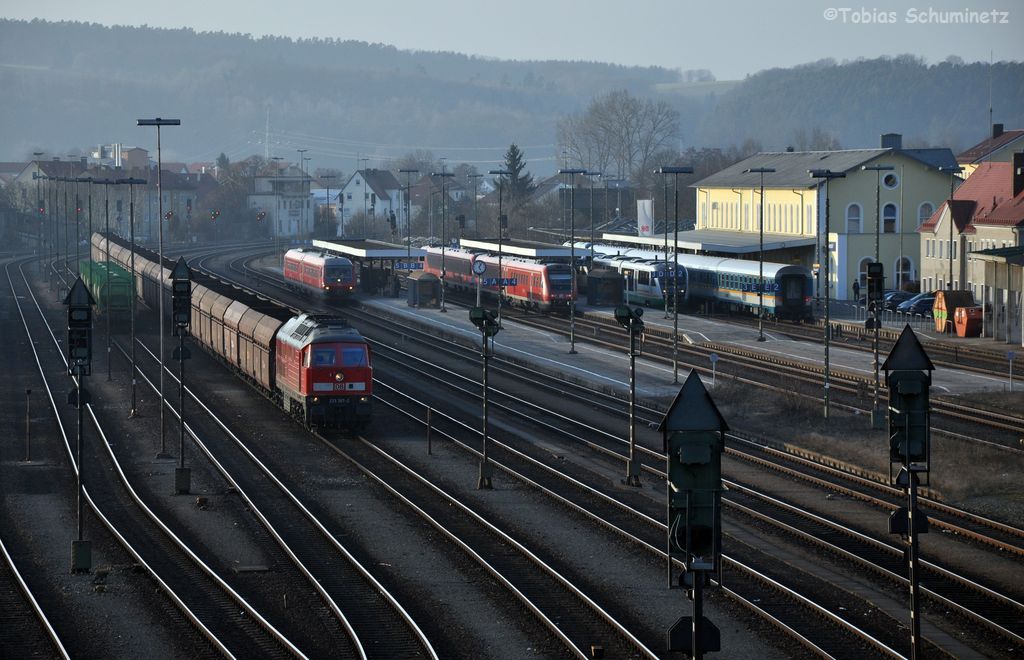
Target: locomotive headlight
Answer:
[[338, 377]]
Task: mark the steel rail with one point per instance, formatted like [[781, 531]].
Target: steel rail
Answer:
[[191, 554], [309, 515], [660, 553]]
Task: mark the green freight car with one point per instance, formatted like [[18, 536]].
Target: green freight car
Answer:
[[111, 286]]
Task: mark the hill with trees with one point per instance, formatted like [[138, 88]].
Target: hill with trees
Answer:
[[77, 85]]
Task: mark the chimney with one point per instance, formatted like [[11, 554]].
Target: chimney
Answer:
[[892, 141], [997, 130], [1018, 173]]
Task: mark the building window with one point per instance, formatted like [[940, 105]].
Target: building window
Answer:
[[853, 216], [924, 211], [904, 271], [862, 273], [889, 218], [952, 250], [890, 180], [941, 254]]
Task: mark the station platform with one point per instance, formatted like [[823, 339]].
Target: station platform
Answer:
[[607, 368]]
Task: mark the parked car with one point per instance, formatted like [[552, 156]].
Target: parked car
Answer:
[[894, 298], [905, 305], [922, 306]]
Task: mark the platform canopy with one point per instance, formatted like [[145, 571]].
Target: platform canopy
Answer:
[[529, 249], [368, 249], [708, 240]]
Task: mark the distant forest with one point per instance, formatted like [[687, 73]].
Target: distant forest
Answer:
[[72, 85]]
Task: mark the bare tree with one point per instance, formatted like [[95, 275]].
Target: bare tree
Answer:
[[619, 133]]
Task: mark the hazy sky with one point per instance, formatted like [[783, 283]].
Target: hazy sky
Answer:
[[730, 37]]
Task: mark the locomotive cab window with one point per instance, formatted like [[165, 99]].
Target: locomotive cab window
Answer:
[[324, 357], [354, 356]]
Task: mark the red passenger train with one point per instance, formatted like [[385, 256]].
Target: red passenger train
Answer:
[[531, 284], [319, 273]]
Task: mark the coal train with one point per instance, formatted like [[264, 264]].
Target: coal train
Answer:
[[316, 367]]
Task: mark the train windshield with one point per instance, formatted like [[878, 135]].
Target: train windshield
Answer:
[[344, 356], [560, 281], [338, 273]]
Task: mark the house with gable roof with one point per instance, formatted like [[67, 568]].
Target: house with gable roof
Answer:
[[373, 193], [998, 148], [984, 218]]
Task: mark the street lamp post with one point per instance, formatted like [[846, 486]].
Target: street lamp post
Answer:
[[827, 175], [366, 194], [159, 122], [67, 226], [106, 230], [760, 257], [78, 226], [132, 182], [476, 217], [877, 415], [953, 171], [305, 186], [592, 174], [444, 239], [501, 220], [302, 175], [664, 186], [328, 214], [408, 172], [675, 171], [39, 204], [572, 172]]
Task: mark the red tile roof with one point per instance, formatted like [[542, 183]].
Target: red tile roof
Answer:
[[987, 187], [982, 149], [1008, 214]]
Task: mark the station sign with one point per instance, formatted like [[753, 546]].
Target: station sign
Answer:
[[415, 265], [505, 281]]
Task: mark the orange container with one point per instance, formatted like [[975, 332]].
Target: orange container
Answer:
[[968, 321], [946, 303]]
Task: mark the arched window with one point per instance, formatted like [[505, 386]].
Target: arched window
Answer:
[[862, 273], [924, 212], [904, 272], [853, 219], [889, 218]]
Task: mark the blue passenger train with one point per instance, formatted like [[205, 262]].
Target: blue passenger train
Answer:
[[788, 289]]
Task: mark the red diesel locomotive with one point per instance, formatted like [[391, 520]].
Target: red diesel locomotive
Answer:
[[319, 273], [537, 285], [323, 369]]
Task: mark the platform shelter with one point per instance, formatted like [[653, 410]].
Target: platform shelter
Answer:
[[380, 266]]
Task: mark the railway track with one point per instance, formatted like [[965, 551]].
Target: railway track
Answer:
[[995, 611], [757, 584], [995, 625], [226, 619], [377, 624], [1004, 431], [970, 358]]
